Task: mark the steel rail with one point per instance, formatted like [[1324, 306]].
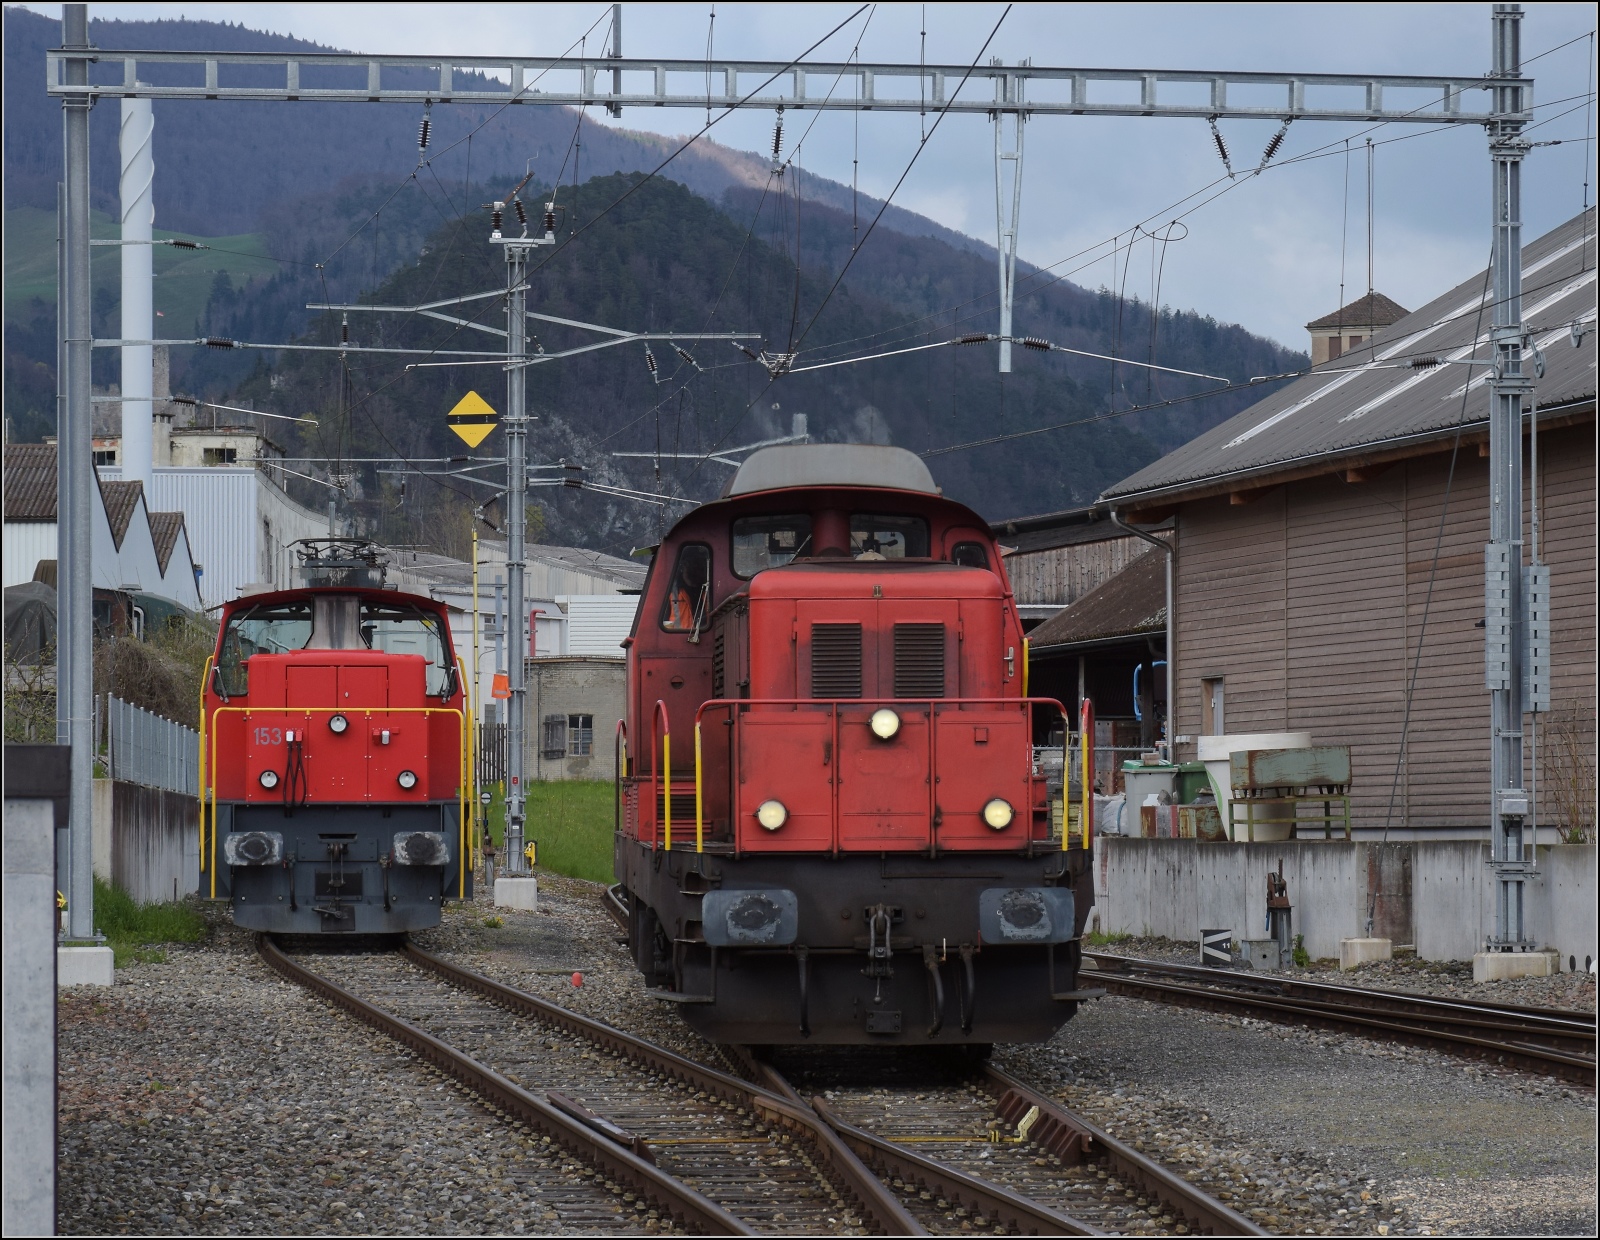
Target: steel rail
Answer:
[[882, 1210], [1393, 1027], [1070, 1137], [1556, 1020], [1067, 1136], [666, 1194]]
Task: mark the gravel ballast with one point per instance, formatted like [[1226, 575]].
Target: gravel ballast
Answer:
[[206, 1095]]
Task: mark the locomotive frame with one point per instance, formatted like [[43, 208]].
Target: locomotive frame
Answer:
[[876, 861]]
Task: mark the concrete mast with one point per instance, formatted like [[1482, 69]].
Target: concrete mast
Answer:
[[138, 320]]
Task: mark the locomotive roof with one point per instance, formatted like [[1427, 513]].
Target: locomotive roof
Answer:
[[385, 594], [831, 464]]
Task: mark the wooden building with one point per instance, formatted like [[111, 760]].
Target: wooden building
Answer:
[[1329, 556]]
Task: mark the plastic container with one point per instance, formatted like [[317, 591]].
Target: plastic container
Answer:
[[1214, 751]]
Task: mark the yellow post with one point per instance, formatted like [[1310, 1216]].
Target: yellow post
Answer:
[[1024, 667], [699, 812], [205, 675]]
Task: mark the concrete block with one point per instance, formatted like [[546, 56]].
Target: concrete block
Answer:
[[1506, 966], [1356, 952], [85, 966], [518, 893]]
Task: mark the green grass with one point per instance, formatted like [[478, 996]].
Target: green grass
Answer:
[[572, 822], [183, 278], [135, 931], [1096, 939]]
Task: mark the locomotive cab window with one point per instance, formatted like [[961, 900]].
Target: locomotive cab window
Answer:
[[769, 542], [275, 628], [876, 536], [688, 603], [410, 630], [970, 555]]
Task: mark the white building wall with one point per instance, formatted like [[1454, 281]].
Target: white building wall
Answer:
[[26, 543], [598, 623], [178, 581]]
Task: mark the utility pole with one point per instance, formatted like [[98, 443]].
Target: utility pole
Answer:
[[75, 485], [516, 427], [1510, 589]]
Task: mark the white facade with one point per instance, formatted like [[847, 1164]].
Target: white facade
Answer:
[[241, 527], [26, 543], [134, 566], [598, 623]]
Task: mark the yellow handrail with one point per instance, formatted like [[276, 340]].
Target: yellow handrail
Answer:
[[1024, 667], [205, 677], [367, 713], [699, 815]]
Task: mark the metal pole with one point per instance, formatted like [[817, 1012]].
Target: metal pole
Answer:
[[1504, 604], [1009, 89], [74, 487], [477, 675], [516, 424], [138, 317]]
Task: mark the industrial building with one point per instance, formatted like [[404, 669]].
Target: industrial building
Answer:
[[1328, 555]]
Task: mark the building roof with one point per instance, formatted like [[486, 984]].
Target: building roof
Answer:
[[164, 530], [30, 482], [1373, 310], [121, 500], [1050, 531], [1131, 603], [1373, 402]]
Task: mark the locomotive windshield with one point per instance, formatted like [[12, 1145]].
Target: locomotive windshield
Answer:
[[877, 536], [332, 622], [769, 542]]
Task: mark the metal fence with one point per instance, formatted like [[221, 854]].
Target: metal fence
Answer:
[[146, 749], [491, 753]]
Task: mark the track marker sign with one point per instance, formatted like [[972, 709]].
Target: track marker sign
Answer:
[[472, 419]]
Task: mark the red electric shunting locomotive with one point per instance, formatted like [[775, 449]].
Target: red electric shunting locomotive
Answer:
[[831, 823], [334, 761]]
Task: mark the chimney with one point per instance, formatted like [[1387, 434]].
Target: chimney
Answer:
[[161, 406]]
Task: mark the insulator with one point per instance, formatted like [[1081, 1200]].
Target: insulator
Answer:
[[777, 137], [497, 216], [1222, 147], [685, 355], [221, 342], [1424, 363], [522, 213], [185, 245], [650, 361], [549, 217], [1272, 147], [424, 132], [977, 338], [344, 330], [1034, 342]]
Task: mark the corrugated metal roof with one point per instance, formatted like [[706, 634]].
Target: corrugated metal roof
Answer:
[[1347, 407], [30, 482], [122, 501], [164, 530], [1132, 602]]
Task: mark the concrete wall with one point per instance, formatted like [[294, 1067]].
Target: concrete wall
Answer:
[[1440, 891], [575, 686], [146, 840], [29, 941]]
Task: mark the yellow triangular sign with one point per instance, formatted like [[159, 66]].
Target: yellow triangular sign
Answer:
[[472, 419]]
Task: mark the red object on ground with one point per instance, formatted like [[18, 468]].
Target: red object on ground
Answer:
[[577, 979]]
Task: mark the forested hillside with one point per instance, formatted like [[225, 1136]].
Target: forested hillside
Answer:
[[345, 212]]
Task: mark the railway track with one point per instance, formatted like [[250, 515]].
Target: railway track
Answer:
[[673, 1139], [980, 1149], [1548, 1041]]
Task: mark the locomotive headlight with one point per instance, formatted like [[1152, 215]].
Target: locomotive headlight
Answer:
[[772, 814], [884, 723], [338, 725], [998, 813], [269, 779], [408, 781]]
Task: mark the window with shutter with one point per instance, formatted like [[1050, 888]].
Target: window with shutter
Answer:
[[554, 741]]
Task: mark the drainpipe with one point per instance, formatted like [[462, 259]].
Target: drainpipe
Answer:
[[1170, 548]]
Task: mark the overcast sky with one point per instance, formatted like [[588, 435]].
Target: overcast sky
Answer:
[[1267, 254]]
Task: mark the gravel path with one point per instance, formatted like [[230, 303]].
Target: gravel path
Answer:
[[206, 1095], [1449, 979]]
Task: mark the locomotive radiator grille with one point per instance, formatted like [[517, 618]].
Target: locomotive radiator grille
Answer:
[[919, 660], [836, 660]]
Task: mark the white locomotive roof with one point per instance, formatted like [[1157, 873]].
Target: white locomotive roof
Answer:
[[832, 464]]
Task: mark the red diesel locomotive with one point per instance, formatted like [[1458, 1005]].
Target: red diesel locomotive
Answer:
[[831, 823], [334, 762]]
